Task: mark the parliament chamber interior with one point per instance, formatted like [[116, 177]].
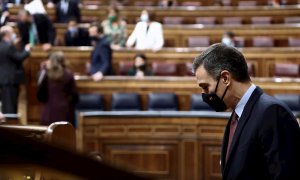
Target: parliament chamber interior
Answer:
[[156, 126]]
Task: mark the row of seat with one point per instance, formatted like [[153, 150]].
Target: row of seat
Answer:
[[229, 20], [131, 102], [161, 102], [242, 3], [172, 69], [258, 41]]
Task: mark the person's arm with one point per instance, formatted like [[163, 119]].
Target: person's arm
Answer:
[[51, 32], [105, 54], [42, 86], [280, 143], [123, 34], [159, 38], [17, 56], [73, 91], [133, 36]]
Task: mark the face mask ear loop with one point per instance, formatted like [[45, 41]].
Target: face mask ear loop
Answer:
[[217, 86], [224, 92]]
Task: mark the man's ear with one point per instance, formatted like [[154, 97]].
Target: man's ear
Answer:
[[226, 77]]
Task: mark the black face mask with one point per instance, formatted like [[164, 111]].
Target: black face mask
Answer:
[[142, 67], [94, 39], [214, 101]]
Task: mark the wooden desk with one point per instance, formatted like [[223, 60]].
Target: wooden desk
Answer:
[[175, 146], [262, 58], [183, 87], [189, 14], [180, 2], [178, 35], [59, 133]]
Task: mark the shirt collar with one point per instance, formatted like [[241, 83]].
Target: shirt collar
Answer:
[[241, 104]]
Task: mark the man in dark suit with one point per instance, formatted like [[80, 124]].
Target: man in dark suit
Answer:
[[67, 9], [262, 138], [102, 53], [76, 36], [36, 29], [11, 71]]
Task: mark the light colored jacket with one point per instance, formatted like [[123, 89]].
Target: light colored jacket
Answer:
[[143, 39]]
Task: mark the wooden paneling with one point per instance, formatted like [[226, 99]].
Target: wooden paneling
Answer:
[[165, 147]]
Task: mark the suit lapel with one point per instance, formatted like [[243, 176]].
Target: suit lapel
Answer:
[[225, 143], [241, 124]]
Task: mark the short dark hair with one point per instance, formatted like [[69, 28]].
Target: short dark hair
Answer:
[[98, 26], [229, 34], [72, 18], [151, 14], [141, 55], [219, 57]]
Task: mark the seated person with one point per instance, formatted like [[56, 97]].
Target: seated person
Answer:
[[36, 29], [167, 3], [115, 28], [228, 39], [66, 10], [76, 36], [147, 33], [51, 3], [140, 68]]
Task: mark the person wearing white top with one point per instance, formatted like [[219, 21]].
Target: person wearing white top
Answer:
[[147, 33]]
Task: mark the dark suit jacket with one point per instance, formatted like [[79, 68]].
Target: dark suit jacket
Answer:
[[101, 57], [266, 143], [80, 39], [11, 70], [45, 29], [73, 12]]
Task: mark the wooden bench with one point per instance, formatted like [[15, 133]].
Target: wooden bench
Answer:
[[23, 157], [183, 87], [58, 133], [170, 145], [178, 35], [181, 2], [263, 59], [131, 13]]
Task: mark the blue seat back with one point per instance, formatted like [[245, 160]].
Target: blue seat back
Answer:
[[162, 102], [125, 102]]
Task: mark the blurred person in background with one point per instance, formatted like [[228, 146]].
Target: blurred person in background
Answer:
[[101, 56], [228, 39], [36, 29], [147, 34], [57, 91], [52, 3], [76, 36], [11, 69], [66, 10], [140, 68], [167, 3], [115, 28]]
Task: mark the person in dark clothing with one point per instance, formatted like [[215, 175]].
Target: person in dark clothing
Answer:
[[140, 68], [76, 36], [67, 9], [57, 91], [102, 54], [261, 139], [11, 70], [36, 29]]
